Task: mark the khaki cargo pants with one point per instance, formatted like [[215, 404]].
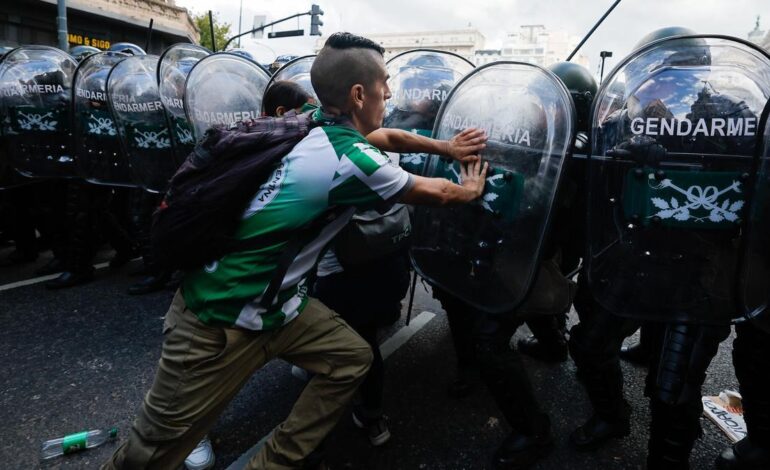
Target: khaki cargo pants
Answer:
[[202, 368]]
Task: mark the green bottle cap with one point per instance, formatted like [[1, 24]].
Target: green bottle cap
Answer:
[[113, 432]]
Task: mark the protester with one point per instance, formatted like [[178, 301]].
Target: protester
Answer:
[[217, 335]]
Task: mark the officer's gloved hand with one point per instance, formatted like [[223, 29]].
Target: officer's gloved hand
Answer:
[[642, 151]]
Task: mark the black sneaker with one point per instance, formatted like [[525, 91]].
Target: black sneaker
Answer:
[[553, 351], [376, 428], [518, 452]]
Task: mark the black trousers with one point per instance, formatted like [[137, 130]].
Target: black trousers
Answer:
[[677, 370], [482, 341], [751, 358], [368, 297]]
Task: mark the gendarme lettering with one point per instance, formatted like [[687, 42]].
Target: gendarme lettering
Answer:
[[20, 90], [418, 94], [91, 95], [722, 127], [225, 117], [138, 107], [175, 103], [505, 133]]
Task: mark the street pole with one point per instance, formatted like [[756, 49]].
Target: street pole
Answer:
[[61, 22], [603, 55], [240, 16], [213, 39]]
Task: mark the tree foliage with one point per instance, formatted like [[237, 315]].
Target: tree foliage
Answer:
[[221, 31]]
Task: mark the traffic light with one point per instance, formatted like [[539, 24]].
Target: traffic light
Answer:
[[315, 20]]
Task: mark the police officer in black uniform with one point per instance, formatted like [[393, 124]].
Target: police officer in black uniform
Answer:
[[682, 350]]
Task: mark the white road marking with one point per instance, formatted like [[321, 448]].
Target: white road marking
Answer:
[[386, 349], [36, 280]]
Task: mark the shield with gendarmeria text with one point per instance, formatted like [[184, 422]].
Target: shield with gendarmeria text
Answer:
[[486, 253], [674, 138], [223, 88]]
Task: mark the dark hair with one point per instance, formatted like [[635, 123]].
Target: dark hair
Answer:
[[284, 93], [350, 41], [345, 60]]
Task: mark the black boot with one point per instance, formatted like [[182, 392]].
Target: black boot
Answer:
[[520, 451], [597, 430], [673, 432], [548, 342], [744, 455], [149, 284], [640, 352], [70, 279], [635, 354], [546, 351]]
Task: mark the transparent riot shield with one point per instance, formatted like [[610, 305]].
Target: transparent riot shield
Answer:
[[99, 157], [132, 91], [755, 279], [223, 88], [173, 67], [487, 253], [35, 100], [297, 71], [420, 80], [674, 130], [9, 178]]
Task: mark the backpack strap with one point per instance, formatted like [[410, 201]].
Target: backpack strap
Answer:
[[302, 237], [291, 251]]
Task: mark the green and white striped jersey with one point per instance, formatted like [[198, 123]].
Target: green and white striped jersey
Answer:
[[333, 166]]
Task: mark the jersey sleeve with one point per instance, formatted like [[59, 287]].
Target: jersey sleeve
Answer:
[[365, 177]]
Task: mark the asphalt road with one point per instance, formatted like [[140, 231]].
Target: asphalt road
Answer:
[[83, 358]]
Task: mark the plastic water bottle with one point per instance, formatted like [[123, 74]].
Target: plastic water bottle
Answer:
[[78, 441]]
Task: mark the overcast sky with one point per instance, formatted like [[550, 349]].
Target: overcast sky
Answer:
[[631, 20]]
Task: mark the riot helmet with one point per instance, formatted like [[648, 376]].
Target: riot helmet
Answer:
[[81, 52], [582, 86], [127, 48], [242, 52], [663, 33]]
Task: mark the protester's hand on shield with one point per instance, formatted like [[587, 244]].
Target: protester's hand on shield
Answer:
[[474, 175], [465, 146]]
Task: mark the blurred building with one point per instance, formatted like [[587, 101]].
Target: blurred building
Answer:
[[537, 45], [757, 36], [464, 42], [486, 56], [97, 23]]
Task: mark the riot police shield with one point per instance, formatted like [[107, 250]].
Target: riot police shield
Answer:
[[419, 82], [221, 89], [297, 71], [674, 130], [487, 253], [132, 91], [99, 157], [35, 100], [9, 178], [755, 275], [173, 67]]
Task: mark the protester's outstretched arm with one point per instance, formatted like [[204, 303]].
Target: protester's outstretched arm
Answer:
[[439, 191], [461, 147]]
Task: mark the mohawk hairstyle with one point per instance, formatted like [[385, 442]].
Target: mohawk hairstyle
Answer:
[[349, 41], [345, 60]]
